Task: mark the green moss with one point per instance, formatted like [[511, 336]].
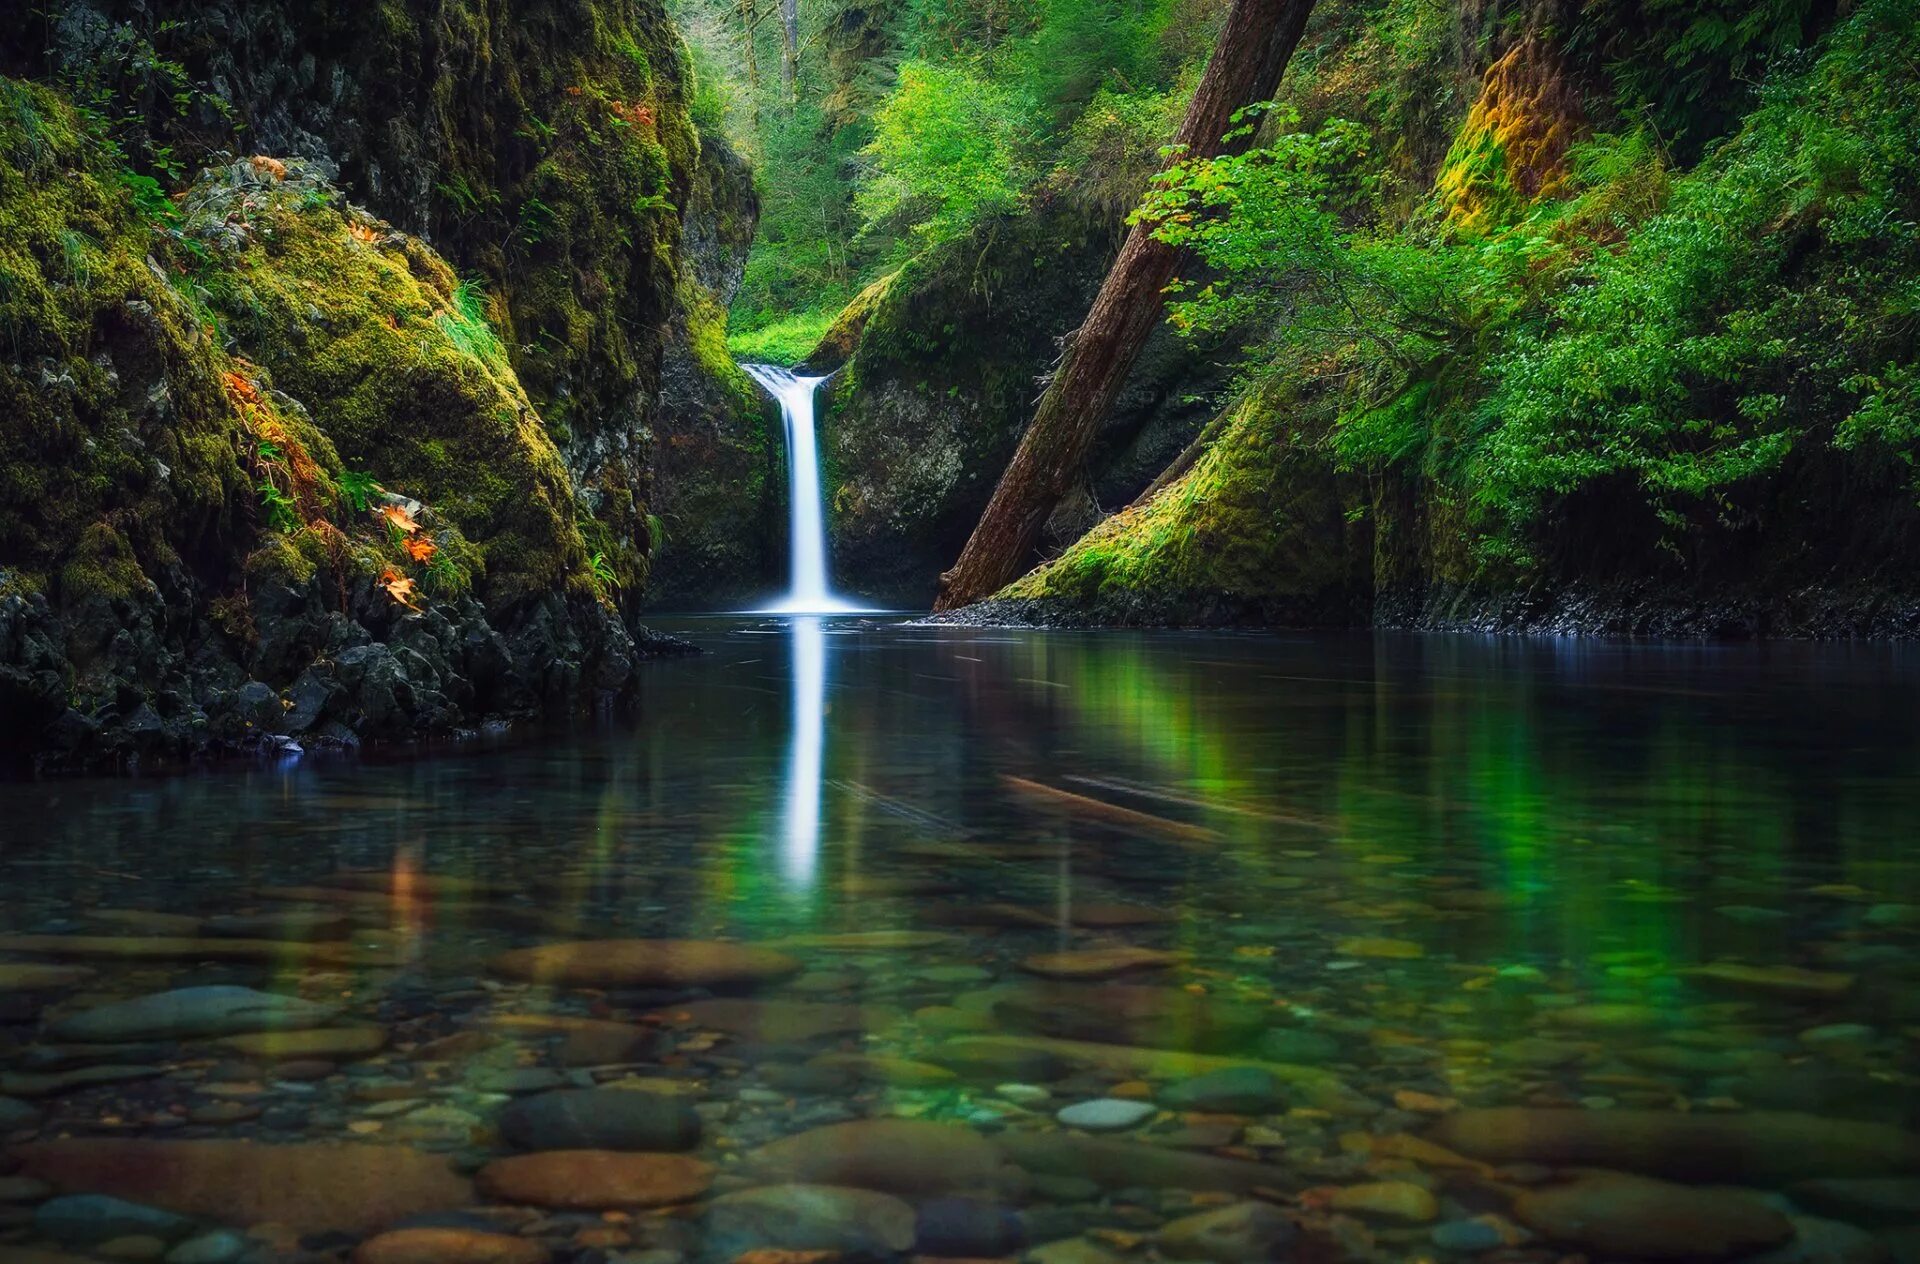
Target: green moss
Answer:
[[784, 342], [399, 367], [102, 565]]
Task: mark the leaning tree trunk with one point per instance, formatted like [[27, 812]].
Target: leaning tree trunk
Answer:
[[1247, 63]]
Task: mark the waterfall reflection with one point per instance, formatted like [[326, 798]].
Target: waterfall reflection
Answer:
[[801, 833]]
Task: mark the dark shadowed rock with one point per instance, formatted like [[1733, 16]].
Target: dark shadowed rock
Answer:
[[912, 1158], [855, 1222], [1762, 1147], [601, 1119], [1619, 1216]]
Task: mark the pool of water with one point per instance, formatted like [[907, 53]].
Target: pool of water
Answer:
[[1075, 946]]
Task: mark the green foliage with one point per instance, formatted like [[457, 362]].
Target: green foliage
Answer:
[[784, 342], [359, 489], [948, 150], [465, 324]]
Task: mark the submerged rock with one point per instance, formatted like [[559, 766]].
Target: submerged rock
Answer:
[[1616, 1215], [857, 1222], [332, 1043], [1129, 1014], [1231, 1091], [1098, 963], [909, 1157], [601, 1119], [1873, 1201], [1123, 1164], [315, 1187], [595, 1180], [448, 1246], [646, 963], [1761, 1147], [1242, 1233], [965, 1228], [581, 1041], [90, 1219], [1105, 1114], [777, 1021], [192, 1012], [18, 976]]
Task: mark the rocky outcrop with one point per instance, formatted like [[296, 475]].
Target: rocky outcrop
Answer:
[[947, 366], [269, 476]]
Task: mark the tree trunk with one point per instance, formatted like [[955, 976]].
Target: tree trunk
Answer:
[[750, 18], [1252, 53], [790, 51]]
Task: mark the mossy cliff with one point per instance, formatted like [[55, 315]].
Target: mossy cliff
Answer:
[[543, 147], [267, 472]]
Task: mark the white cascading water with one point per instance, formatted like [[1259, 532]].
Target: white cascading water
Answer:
[[807, 590]]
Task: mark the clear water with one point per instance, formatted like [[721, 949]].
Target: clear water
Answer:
[[1445, 874], [809, 590]]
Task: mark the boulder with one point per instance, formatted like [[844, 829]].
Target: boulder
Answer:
[[601, 1119], [908, 1157], [595, 1180], [189, 1013], [667, 963], [1241, 1233], [1615, 1215]]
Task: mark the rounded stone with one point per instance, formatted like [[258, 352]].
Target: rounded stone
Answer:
[[670, 963], [601, 1119], [855, 1222], [448, 1246], [1105, 1114], [595, 1180]]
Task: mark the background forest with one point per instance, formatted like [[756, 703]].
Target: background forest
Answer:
[[1503, 294]]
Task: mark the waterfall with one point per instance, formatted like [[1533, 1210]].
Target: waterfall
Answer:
[[807, 589]]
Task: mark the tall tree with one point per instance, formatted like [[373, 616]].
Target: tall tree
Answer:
[[790, 51], [1252, 53], [750, 18]]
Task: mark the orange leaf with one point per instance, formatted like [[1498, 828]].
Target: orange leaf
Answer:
[[399, 517], [400, 588], [421, 550], [241, 389]]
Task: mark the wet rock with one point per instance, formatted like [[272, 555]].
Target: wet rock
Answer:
[[87, 1220], [1072, 1251], [66, 1081], [1872, 1201], [581, 1041], [992, 1061], [1318, 1088], [1389, 1200], [1616, 1215], [192, 1012], [808, 1218], [669, 963], [1292, 1044], [316, 1187], [595, 1180], [1467, 1236], [448, 1246], [1761, 1147], [1128, 1014], [777, 1021], [1131, 1164], [519, 1081], [342, 1044], [1232, 1091], [1606, 1016], [912, 1158], [18, 976], [1105, 1114], [222, 1246], [1381, 949], [601, 1119], [1098, 963], [16, 1115], [1817, 1241], [870, 941], [1236, 1234], [174, 948], [877, 1069], [965, 1228], [1786, 981]]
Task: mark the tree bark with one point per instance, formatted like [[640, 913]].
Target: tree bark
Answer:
[[750, 18], [790, 51], [1252, 53]]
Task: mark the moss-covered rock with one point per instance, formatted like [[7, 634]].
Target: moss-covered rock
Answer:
[[944, 379]]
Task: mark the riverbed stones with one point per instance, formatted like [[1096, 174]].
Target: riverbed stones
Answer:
[[184, 948], [188, 1013], [1758, 1147], [967, 1228], [16, 1115], [1230, 1091], [18, 976], [340, 1044], [778, 1021], [601, 1119], [579, 1042], [311, 1188], [448, 1246], [88, 1220], [1241, 1233], [1105, 1114], [1098, 963], [1616, 1215], [1116, 1164], [666, 963], [908, 1157], [1387, 1200], [1785, 981], [595, 1180], [1874, 1201], [804, 1217], [1129, 1014]]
